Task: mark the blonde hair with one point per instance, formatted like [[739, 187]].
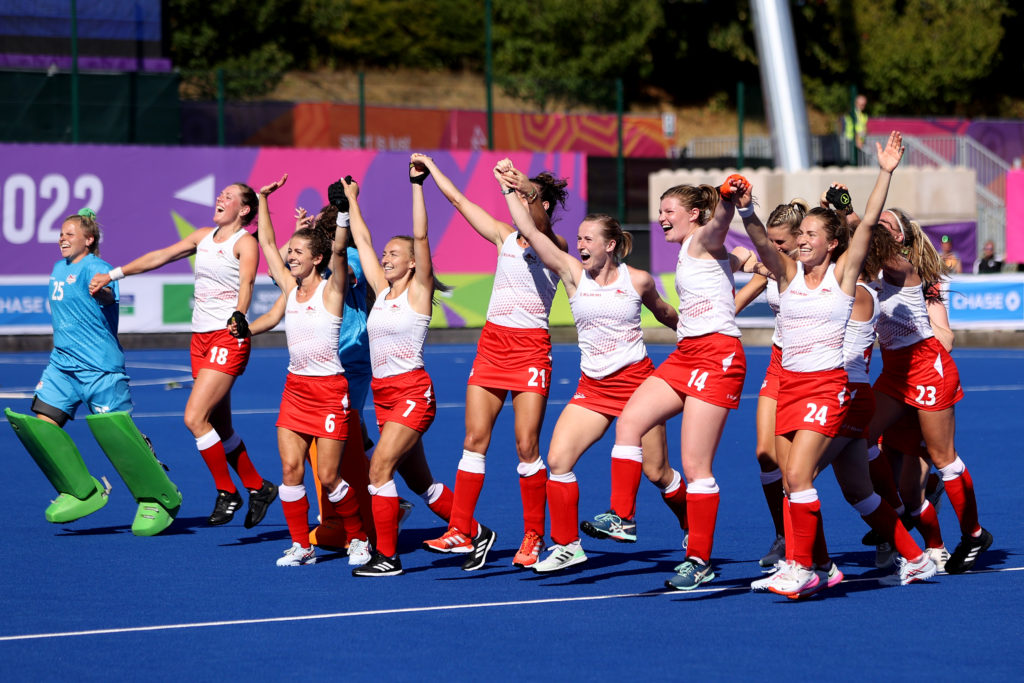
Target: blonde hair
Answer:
[[89, 226], [611, 231], [701, 197], [916, 248], [791, 214]]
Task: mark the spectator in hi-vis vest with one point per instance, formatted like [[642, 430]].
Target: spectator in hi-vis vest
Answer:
[[855, 127]]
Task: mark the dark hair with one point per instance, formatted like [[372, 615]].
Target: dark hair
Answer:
[[835, 228], [327, 222], [552, 190], [90, 228], [248, 198], [701, 197], [611, 230], [319, 245], [438, 285]]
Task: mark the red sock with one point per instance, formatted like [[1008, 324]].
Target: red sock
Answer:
[[928, 525], [564, 501], [961, 494], [887, 524], [676, 502], [296, 514], [442, 507], [625, 484], [348, 509], [702, 510], [385, 520], [533, 490], [806, 517], [467, 492], [787, 529], [883, 481], [217, 462], [820, 553], [774, 495], [240, 462]]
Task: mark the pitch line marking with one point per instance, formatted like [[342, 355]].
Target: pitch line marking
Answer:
[[409, 610]]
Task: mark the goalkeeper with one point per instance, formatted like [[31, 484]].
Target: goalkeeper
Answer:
[[87, 366]]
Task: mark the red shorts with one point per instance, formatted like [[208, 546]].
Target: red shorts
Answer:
[[710, 367], [922, 375], [315, 406], [513, 359], [407, 399], [608, 395], [904, 435], [770, 385], [219, 351], [859, 412], [815, 401]]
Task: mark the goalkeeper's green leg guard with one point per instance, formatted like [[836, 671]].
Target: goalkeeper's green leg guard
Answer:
[[159, 499], [80, 494]]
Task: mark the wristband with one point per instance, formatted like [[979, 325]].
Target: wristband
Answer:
[[745, 211], [508, 190], [342, 221], [116, 274]]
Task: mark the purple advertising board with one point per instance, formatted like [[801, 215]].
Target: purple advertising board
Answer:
[[150, 197]]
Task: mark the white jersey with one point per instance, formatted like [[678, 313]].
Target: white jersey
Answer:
[[859, 341], [813, 323], [904, 316], [523, 288], [217, 282], [771, 293], [312, 334], [608, 322], [707, 296], [397, 334]]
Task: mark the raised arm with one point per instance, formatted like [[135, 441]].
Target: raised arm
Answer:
[[268, 241], [779, 265], [490, 228], [337, 283], [567, 268], [663, 311], [888, 159], [271, 318], [372, 270], [424, 275], [151, 260]]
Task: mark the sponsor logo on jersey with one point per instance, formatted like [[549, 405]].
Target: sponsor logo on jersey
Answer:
[[71, 279]]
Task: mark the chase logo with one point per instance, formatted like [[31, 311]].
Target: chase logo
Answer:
[[980, 301]]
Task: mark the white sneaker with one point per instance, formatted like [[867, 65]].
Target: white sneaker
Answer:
[[835, 576], [762, 584], [885, 554], [358, 552], [561, 556], [909, 572], [296, 556], [798, 582], [939, 557], [776, 552]]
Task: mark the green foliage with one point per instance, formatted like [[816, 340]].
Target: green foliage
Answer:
[[571, 52]]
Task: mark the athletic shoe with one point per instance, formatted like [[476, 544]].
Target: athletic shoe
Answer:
[[834, 576], [690, 574], [481, 546], [380, 565], [259, 502], [296, 556], [358, 552], [967, 551], [529, 550], [884, 555], [561, 556], [762, 584], [798, 582], [939, 556], [225, 507], [909, 572], [453, 541], [66, 508], [775, 553], [404, 510], [610, 525]]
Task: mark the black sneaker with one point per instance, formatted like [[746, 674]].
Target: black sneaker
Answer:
[[380, 565], [481, 545], [259, 503], [966, 553], [225, 507]]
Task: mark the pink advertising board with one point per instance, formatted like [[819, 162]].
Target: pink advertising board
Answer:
[[146, 197]]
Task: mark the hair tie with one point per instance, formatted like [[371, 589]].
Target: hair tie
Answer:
[[87, 212], [899, 223]]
